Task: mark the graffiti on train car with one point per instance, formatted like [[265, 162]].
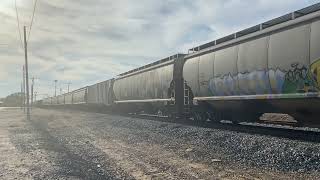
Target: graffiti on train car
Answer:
[[223, 86], [297, 79], [255, 82], [315, 69]]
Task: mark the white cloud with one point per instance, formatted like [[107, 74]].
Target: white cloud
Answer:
[[89, 41]]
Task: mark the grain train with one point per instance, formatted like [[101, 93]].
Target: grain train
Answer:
[[271, 67]]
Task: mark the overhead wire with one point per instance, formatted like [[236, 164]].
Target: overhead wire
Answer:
[[31, 23], [33, 14], [18, 21]]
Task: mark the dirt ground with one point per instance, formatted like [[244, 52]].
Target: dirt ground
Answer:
[[81, 145]]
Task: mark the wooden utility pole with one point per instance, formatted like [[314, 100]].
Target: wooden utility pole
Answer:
[[24, 89], [26, 67], [21, 96], [32, 86]]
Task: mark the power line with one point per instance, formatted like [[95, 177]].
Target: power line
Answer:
[[15, 3], [34, 10]]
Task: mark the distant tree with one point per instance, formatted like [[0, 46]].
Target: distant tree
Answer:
[[13, 100]]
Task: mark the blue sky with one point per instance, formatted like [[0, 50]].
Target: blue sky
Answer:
[[84, 42]]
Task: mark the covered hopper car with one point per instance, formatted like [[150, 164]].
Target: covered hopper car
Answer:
[[154, 88]]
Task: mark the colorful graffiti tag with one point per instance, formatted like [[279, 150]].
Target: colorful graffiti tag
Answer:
[[299, 79], [296, 79], [315, 69]]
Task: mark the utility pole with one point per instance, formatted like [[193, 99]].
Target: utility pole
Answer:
[[55, 88], [35, 96], [60, 91], [26, 67], [69, 86], [24, 89], [32, 84], [32, 90], [21, 96]]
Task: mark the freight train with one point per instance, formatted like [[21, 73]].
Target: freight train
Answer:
[[273, 67]]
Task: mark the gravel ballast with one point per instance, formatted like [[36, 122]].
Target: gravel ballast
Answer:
[[81, 145]]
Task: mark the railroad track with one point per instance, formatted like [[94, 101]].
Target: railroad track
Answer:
[[281, 131]]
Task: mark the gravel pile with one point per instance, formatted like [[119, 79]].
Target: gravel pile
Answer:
[[277, 117]]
